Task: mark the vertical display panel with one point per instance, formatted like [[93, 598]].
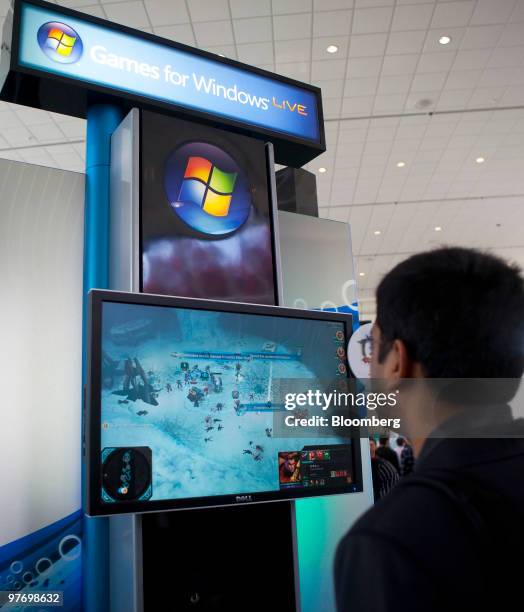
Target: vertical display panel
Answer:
[[205, 215], [318, 273]]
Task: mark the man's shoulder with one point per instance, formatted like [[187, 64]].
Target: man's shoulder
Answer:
[[412, 513]]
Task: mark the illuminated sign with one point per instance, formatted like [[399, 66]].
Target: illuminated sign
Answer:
[[96, 55]]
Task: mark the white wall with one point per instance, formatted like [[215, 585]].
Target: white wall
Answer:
[[41, 250]]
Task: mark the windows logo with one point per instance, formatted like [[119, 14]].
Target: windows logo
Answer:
[[208, 186], [207, 189], [60, 42]]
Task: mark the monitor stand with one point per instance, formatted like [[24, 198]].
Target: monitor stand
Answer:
[[233, 559], [218, 559]]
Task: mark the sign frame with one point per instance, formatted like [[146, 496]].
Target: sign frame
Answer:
[[37, 88]]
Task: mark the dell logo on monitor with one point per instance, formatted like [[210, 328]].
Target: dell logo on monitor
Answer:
[[243, 498]]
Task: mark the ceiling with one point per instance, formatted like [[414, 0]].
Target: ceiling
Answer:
[[392, 93]]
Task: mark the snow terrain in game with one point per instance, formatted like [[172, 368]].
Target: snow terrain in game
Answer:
[[210, 376]]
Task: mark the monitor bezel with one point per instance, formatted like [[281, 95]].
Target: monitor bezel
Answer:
[[93, 504]]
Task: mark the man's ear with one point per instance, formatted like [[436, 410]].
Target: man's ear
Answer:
[[398, 364]]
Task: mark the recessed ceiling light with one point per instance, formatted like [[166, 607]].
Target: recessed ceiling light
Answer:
[[480, 160], [444, 40], [401, 164], [322, 170], [332, 48], [377, 232], [221, 55], [362, 274], [438, 228]]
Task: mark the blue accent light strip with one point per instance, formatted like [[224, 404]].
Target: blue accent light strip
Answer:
[[102, 120]]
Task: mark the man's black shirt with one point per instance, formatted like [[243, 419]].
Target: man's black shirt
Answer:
[[423, 548]]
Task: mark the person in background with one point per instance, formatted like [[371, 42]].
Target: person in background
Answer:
[[384, 451], [384, 475], [449, 537], [399, 444], [407, 458]]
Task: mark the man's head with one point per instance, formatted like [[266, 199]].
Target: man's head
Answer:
[[450, 313], [400, 441], [372, 448], [383, 441]]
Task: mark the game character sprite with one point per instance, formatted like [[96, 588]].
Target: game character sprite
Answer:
[[258, 453], [179, 384], [169, 388]]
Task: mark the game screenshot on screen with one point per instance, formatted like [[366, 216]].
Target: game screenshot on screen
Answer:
[[185, 408]]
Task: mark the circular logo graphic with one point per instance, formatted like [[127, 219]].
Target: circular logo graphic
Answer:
[[359, 351], [60, 42], [207, 189]]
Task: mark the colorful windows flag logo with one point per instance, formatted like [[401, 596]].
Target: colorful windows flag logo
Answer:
[[207, 186], [60, 42], [207, 189]]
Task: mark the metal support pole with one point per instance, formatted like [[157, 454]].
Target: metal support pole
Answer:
[[102, 119]]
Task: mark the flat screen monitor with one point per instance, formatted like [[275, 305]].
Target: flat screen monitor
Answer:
[[177, 404], [206, 213]]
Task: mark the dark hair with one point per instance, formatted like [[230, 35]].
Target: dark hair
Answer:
[[383, 441], [400, 441], [460, 313]]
